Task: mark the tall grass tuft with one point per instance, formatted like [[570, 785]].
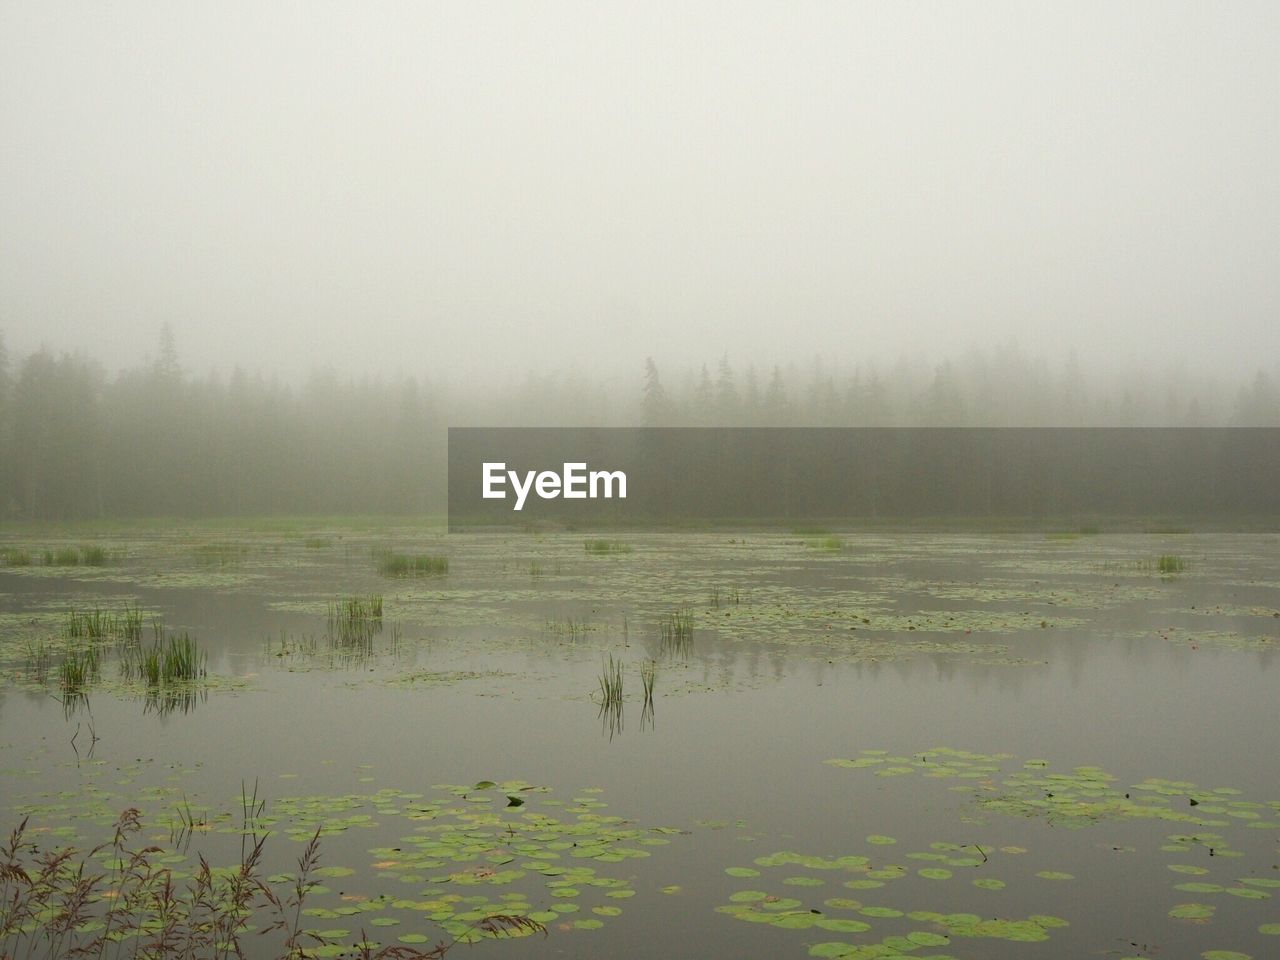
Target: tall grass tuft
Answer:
[[611, 682], [1167, 564], [832, 543], [222, 554], [171, 660], [66, 557], [391, 564], [676, 632], [39, 662], [78, 669], [599, 546], [120, 901], [648, 677], [93, 556], [354, 621]]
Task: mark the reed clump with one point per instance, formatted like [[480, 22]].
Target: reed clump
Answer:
[[119, 901], [355, 621], [675, 633], [611, 682], [172, 659], [832, 543], [600, 546], [392, 564]]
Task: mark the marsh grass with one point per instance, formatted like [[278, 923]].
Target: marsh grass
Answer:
[[39, 662], [611, 681], [1167, 564], [720, 597], [392, 564], [611, 688], [675, 633], [97, 624], [535, 568], [78, 669], [317, 543], [172, 659], [648, 678], [567, 627], [93, 555], [86, 555], [119, 901], [831, 543], [354, 622], [221, 554], [600, 546]]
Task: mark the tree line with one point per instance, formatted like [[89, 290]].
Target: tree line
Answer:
[[156, 440]]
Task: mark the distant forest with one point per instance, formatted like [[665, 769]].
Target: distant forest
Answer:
[[155, 440]]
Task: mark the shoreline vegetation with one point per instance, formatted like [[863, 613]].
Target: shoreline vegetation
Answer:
[[155, 440], [35, 537], [122, 899]]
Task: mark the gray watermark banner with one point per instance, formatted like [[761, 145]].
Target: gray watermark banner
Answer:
[[586, 477]]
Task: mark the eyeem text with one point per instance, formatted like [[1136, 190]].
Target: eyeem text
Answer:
[[574, 482]]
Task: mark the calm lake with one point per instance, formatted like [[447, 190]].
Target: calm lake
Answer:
[[966, 746]]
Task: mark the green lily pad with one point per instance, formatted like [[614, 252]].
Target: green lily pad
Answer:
[[1192, 911]]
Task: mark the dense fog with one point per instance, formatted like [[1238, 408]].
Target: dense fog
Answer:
[[155, 440], [465, 190]]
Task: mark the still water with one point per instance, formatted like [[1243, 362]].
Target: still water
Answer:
[[860, 746]]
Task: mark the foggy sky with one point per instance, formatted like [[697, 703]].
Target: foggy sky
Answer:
[[459, 186]]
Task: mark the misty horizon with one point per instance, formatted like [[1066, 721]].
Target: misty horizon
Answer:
[[475, 190]]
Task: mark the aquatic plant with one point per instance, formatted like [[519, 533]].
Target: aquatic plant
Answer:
[[567, 627], [78, 669], [130, 624], [354, 621], [603, 547], [39, 661], [392, 564], [93, 556], [15, 557], [119, 900], [172, 659], [611, 682], [648, 675], [676, 632], [832, 543], [66, 557], [97, 624], [1168, 563], [221, 554]]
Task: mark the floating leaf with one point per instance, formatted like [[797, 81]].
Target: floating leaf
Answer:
[[1192, 911]]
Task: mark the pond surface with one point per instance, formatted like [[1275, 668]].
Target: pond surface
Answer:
[[867, 746]]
